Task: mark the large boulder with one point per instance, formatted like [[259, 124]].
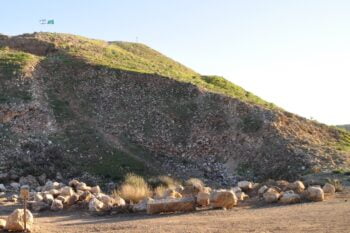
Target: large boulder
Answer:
[[57, 205], [297, 186], [95, 205], [271, 195], [289, 197], [329, 189], [171, 205], [315, 193], [203, 198], [223, 199], [245, 185], [15, 220], [38, 197], [85, 196]]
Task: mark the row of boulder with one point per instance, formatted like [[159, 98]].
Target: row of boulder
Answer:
[[56, 196]]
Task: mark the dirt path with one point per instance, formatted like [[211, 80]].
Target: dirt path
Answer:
[[329, 216]]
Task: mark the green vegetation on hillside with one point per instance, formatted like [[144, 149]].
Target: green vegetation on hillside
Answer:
[[12, 61], [140, 58]]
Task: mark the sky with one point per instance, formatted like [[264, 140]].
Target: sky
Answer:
[[294, 53]]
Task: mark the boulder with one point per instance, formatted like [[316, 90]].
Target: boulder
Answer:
[[2, 223], [85, 196], [57, 205], [83, 187], [297, 186], [42, 179], [172, 194], [171, 205], [15, 220], [38, 206], [223, 199], [96, 189], [67, 191], [203, 198], [63, 199], [271, 195], [245, 185], [72, 199], [54, 192], [282, 184], [74, 183], [2, 188], [107, 201], [289, 197], [315, 193], [329, 189], [38, 197], [142, 205], [95, 205], [48, 198], [262, 190]]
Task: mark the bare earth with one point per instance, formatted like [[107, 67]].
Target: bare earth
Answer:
[[332, 215]]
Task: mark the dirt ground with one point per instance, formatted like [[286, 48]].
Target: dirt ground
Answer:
[[332, 215]]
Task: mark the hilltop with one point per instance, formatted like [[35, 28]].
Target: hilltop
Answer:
[[84, 107]]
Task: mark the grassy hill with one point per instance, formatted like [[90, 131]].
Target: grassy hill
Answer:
[[140, 58]]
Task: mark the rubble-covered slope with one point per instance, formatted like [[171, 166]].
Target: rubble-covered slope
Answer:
[[76, 105]]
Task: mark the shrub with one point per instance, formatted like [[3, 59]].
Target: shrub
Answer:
[[160, 191], [194, 183], [134, 188]]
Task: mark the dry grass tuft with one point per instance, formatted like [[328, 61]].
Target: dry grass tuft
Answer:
[[134, 188]]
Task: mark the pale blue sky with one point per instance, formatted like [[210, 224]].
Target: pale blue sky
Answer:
[[295, 53]]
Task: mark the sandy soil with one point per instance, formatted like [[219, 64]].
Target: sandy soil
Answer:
[[332, 215]]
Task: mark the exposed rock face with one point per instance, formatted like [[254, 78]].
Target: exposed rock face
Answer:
[[61, 108], [223, 199], [315, 193], [15, 220]]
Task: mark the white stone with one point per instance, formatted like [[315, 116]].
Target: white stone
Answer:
[[95, 205], [223, 199], [315, 193], [245, 185], [271, 195]]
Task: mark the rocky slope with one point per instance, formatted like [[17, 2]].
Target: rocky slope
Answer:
[[78, 106]]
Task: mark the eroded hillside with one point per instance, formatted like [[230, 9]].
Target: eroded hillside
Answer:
[[73, 105]]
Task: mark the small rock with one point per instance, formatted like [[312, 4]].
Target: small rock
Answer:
[[15, 220], [38, 197], [241, 196], [297, 186], [48, 198]]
